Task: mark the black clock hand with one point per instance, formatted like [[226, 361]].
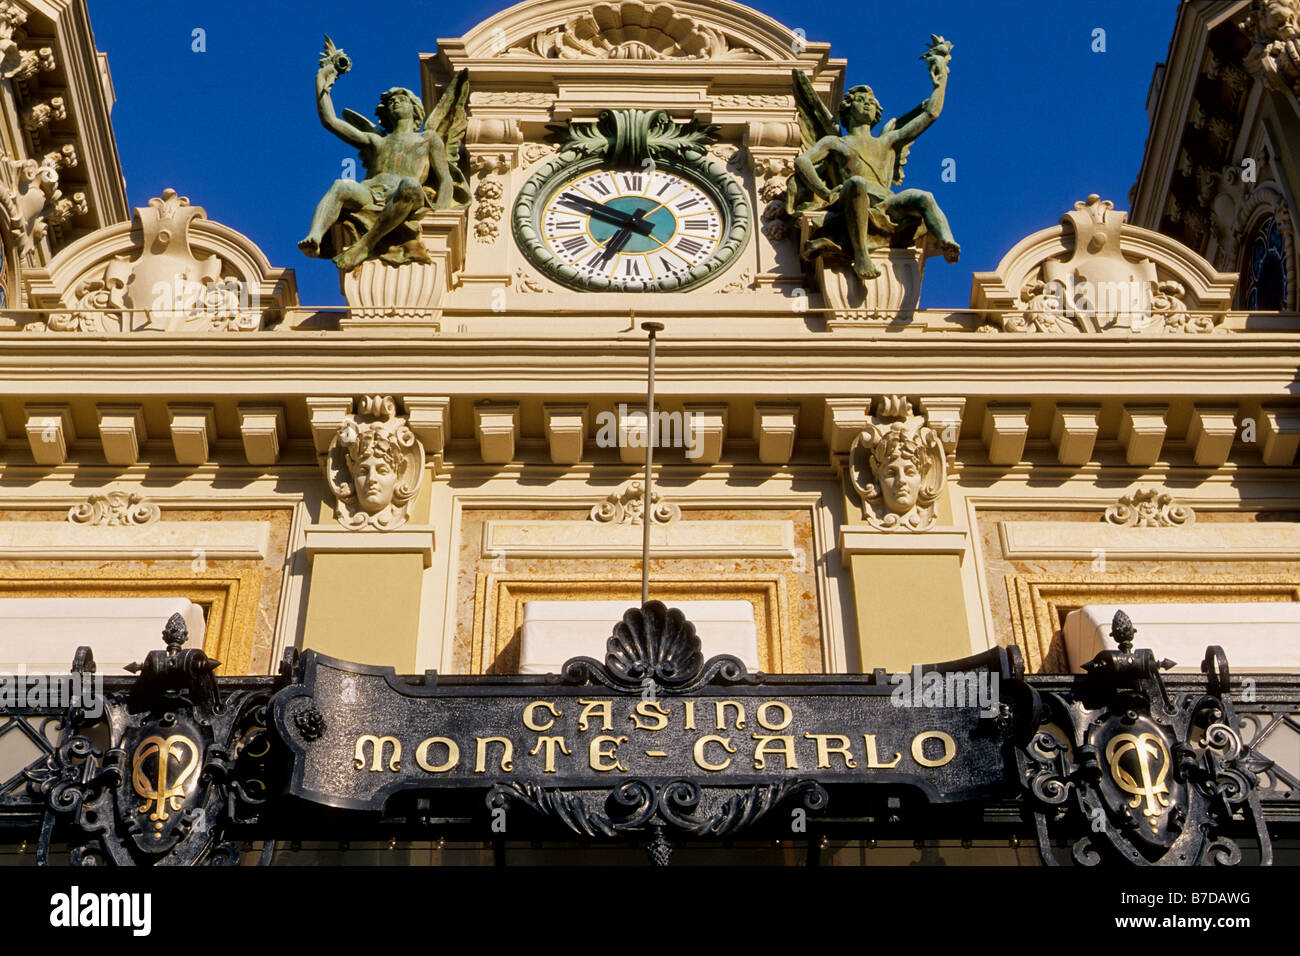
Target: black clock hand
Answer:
[[620, 238], [615, 244], [609, 213]]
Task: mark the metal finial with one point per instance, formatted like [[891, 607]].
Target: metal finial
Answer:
[[175, 633], [1123, 631]]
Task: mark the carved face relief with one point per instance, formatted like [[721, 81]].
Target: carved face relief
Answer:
[[374, 466], [900, 483], [376, 480], [898, 465]]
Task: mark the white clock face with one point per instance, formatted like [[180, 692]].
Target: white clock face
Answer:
[[632, 229]]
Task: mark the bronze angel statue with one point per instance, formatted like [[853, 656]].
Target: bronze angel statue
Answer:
[[851, 175], [412, 165]]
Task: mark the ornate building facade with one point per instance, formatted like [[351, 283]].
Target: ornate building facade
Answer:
[[447, 474]]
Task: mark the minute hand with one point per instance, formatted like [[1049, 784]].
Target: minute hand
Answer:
[[609, 213]]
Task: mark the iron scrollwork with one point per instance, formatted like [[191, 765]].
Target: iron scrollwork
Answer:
[[1152, 781], [183, 764]]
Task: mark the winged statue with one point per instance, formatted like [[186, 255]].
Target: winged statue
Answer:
[[411, 163], [851, 175]]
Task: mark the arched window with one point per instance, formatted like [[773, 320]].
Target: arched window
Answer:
[[1264, 272]]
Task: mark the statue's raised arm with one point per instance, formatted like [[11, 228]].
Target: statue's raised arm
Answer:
[[912, 124], [410, 166], [850, 175], [333, 64]]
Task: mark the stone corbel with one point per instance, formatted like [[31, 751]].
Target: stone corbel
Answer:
[[708, 431], [1142, 433], [1279, 433], [1074, 433], [944, 415], [262, 429], [1211, 433], [842, 422], [121, 431], [325, 415], [774, 430], [496, 424], [49, 433], [16, 64], [430, 419], [566, 432], [1004, 432], [194, 429]]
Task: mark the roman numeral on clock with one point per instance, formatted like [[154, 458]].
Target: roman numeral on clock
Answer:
[[574, 244], [689, 246], [698, 224], [559, 224], [631, 267], [687, 204], [631, 181], [599, 186]]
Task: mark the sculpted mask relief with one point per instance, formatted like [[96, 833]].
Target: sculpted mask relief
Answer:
[[374, 466], [898, 466]]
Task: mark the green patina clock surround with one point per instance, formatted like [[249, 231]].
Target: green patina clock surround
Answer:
[[626, 144]]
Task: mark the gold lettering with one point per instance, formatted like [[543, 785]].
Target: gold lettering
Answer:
[[690, 715], [551, 744], [784, 744], [768, 725], [530, 721], [422, 754], [725, 742], [918, 748], [601, 707], [824, 750], [659, 714], [873, 761], [720, 709], [599, 755], [480, 753], [377, 753]]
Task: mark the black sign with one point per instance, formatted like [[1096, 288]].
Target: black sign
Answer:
[[654, 731]]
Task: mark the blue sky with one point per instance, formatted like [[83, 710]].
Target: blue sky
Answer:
[[1034, 118]]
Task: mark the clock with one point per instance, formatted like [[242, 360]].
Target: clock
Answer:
[[662, 226]]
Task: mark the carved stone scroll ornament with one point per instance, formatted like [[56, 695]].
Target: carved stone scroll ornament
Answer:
[[16, 63], [1274, 25], [631, 31], [897, 463], [1149, 508], [32, 199], [114, 509], [626, 505], [374, 466]]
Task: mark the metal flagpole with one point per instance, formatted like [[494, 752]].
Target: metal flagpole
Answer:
[[651, 438]]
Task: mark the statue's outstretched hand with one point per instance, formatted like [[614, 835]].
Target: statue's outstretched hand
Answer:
[[326, 74]]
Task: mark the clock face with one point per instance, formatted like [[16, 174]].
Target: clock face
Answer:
[[665, 228], [630, 227]]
